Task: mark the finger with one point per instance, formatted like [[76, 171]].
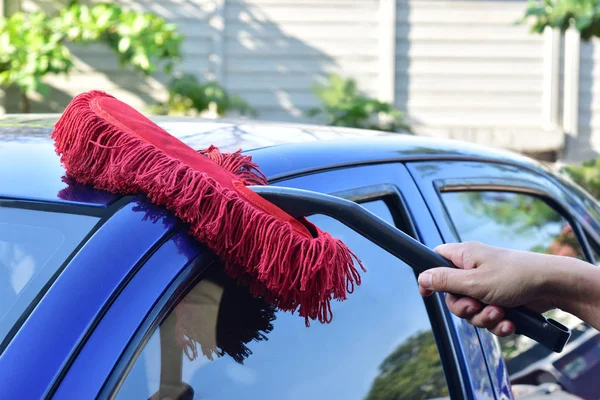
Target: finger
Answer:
[[425, 292], [487, 318], [449, 280], [463, 307], [464, 255], [504, 328]]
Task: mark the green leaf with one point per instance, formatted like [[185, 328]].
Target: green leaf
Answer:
[[42, 88], [124, 44], [104, 18]]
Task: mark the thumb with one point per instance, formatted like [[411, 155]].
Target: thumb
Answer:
[[449, 280]]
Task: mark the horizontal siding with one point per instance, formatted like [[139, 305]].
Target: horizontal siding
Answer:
[[464, 67], [468, 84], [459, 66], [276, 50], [283, 47], [306, 30], [469, 49], [298, 82], [451, 31], [481, 13], [326, 12], [290, 66]]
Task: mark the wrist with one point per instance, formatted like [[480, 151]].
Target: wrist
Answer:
[[566, 284]]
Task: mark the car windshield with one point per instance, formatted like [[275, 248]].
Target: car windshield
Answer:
[[33, 246]]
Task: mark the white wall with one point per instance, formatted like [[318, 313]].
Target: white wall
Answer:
[[462, 69], [276, 49], [465, 71]]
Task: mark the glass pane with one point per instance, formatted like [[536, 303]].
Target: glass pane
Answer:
[[379, 345], [522, 222], [33, 245], [512, 220]]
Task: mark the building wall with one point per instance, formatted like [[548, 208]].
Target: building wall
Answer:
[[464, 70], [459, 68]]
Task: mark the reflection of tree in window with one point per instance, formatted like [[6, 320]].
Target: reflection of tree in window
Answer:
[[412, 371], [524, 215], [220, 325]]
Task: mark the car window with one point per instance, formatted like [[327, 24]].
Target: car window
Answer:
[[379, 345], [517, 221], [33, 246]]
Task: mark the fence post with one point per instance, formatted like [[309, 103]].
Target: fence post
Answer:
[[217, 25], [551, 89], [387, 51], [571, 82], [215, 58]]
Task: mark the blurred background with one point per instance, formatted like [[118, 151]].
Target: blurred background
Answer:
[[517, 74]]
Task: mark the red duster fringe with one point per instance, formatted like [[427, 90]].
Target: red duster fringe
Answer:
[[260, 250]]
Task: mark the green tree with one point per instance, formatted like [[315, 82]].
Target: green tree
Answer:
[[34, 45], [521, 212], [584, 14], [412, 372], [343, 104], [586, 175]]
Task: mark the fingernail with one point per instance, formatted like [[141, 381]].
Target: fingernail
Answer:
[[493, 315], [505, 329], [470, 310], [425, 280]]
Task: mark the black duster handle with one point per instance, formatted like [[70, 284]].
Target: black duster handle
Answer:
[[302, 203]]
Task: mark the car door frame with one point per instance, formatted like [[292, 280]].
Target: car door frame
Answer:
[[436, 177], [461, 353]]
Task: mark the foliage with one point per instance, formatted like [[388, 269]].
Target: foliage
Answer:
[[34, 45], [139, 39], [586, 175], [31, 46], [187, 96], [413, 371], [517, 213], [344, 105], [559, 13]]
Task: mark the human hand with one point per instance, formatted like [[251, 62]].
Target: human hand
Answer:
[[490, 275]]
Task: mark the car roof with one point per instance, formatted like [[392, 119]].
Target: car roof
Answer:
[[280, 149]]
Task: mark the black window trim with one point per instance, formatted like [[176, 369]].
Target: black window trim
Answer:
[[445, 336]]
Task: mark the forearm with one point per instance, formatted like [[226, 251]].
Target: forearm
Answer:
[[574, 287]]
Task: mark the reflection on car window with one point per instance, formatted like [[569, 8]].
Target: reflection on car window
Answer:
[[517, 221], [33, 245], [225, 344]]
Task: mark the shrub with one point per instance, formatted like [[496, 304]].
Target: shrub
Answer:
[[34, 45], [188, 96], [344, 105]]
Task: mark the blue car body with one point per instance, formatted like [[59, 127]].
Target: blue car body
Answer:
[[70, 341]]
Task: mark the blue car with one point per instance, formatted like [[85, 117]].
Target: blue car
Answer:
[[106, 296]]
